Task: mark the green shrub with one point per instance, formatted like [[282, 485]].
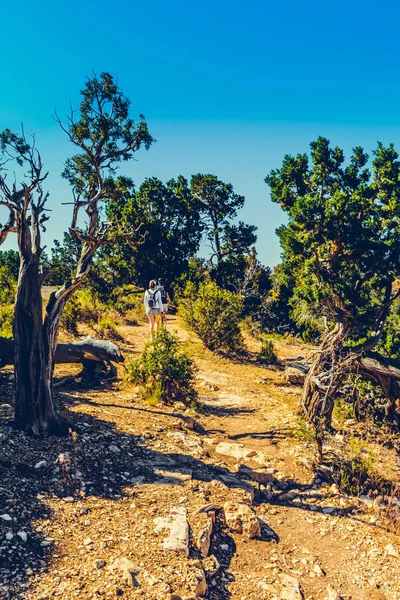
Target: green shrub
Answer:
[[6, 318], [107, 328], [214, 314], [356, 475], [267, 352], [71, 315], [83, 307], [165, 370], [8, 286]]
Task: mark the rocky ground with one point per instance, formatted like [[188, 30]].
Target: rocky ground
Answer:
[[157, 502]]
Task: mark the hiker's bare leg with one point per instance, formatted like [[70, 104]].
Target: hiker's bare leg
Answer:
[[152, 322]]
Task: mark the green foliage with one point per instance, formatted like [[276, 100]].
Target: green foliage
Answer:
[[165, 370], [8, 286], [6, 320], [231, 243], [389, 344], [214, 315], [107, 328], [167, 219], [83, 307], [105, 133], [71, 315], [341, 244], [267, 352], [357, 475], [9, 259], [342, 410]]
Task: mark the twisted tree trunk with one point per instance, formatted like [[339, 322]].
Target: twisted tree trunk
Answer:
[[35, 411], [330, 366]]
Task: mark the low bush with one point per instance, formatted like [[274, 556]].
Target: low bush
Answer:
[[8, 287], [356, 475], [167, 372], [267, 352], [71, 315], [107, 328], [6, 318], [214, 315]]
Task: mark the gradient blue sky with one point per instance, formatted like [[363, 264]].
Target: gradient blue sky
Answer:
[[227, 87]]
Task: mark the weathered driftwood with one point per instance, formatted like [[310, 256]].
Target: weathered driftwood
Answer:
[[89, 352]]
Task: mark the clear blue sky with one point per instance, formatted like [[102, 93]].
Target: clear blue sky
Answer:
[[227, 87]]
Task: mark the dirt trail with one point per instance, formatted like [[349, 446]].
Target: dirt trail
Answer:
[[133, 463]]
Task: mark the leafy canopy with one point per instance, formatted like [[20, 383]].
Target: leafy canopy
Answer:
[[342, 240]]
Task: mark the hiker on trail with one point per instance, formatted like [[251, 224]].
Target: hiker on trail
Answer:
[[165, 299], [153, 306]]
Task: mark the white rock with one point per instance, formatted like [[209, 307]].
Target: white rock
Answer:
[[290, 588], [68, 499], [196, 579], [241, 518], [204, 538], [87, 542], [41, 464], [9, 536], [233, 450], [176, 522], [392, 551], [332, 593], [23, 535], [6, 517]]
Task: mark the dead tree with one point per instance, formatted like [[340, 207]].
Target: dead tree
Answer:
[[104, 135]]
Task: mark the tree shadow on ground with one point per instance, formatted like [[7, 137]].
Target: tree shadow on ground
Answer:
[[109, 463]]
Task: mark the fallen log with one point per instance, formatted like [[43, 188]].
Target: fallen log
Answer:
[[89, 352]]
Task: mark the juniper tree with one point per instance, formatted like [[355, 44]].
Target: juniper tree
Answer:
[[104, 135], [341, 247]]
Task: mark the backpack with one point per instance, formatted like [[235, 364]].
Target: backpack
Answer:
[[163, 294], [151, 301]]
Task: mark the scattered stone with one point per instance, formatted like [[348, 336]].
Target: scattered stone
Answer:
[[41, 464], [88, 542], [262, 478], [318, 571], [190, 441], [196, 578], [203, 541], [84, 510], [176, 522], [241, 518], [6, 517], [233, 450], [173, 477], [392, 551], [332, 593], [9, 536], [68, 499], [211, 566], [128, 568], [294, 376], [99, 563], [290, 588], [23, 535], [208, 507]]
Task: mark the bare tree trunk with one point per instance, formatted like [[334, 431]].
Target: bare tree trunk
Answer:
[[35, 412]]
